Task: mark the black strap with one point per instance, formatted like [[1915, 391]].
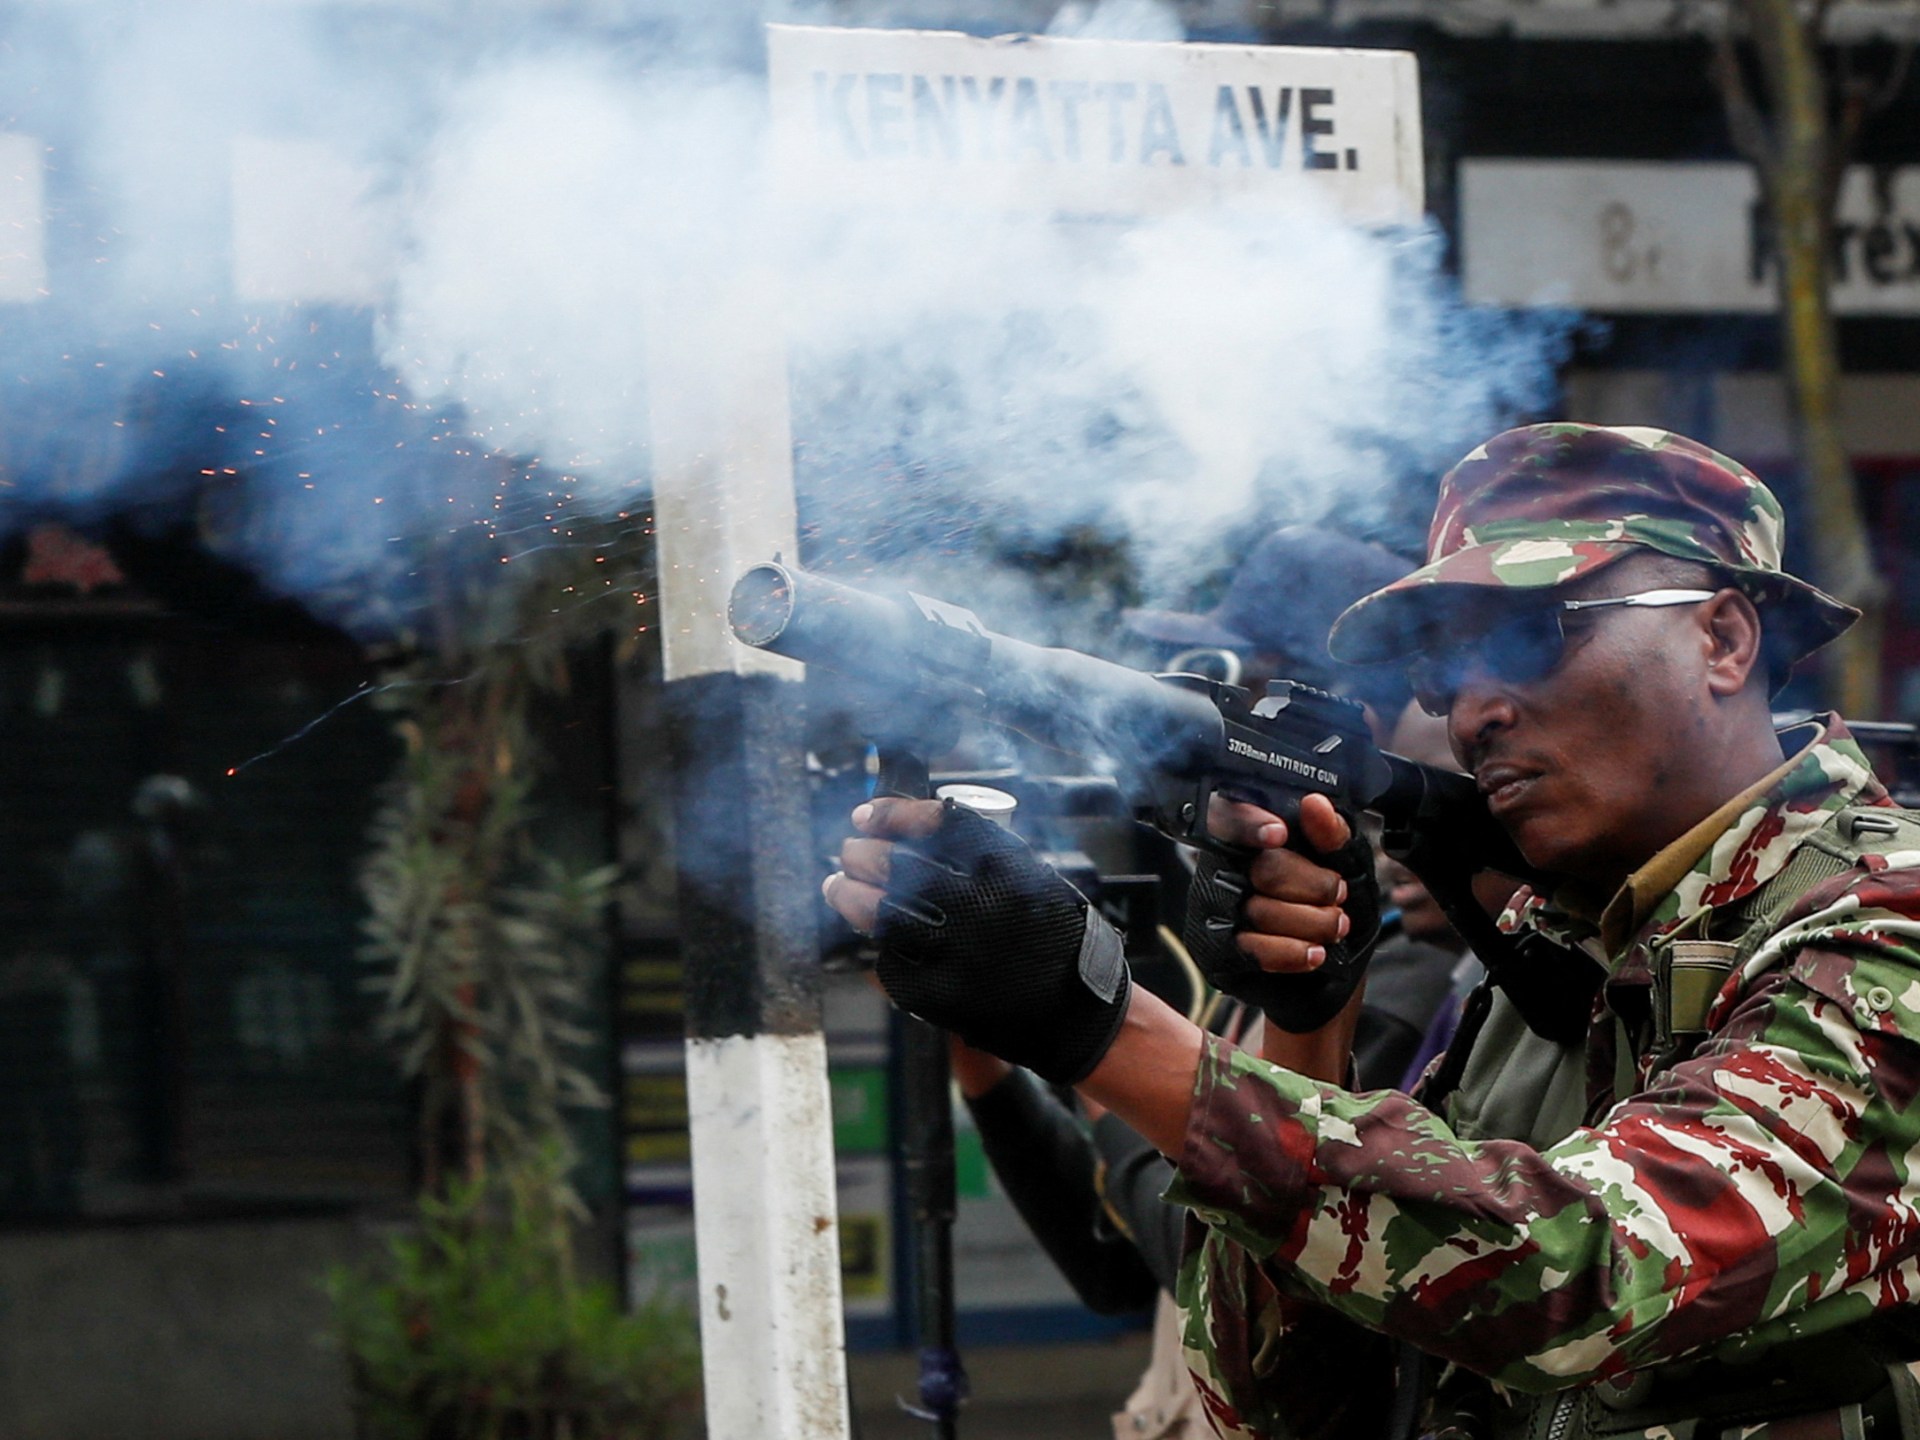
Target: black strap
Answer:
[[1905, 1386], [1453, 1063]]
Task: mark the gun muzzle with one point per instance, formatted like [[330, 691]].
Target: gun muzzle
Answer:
[[761, 604], [812, 619]]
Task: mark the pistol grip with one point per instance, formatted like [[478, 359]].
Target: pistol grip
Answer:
[[1283, 803], [902, 773]]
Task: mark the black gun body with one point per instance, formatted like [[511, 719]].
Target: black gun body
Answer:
[[1173, 741]]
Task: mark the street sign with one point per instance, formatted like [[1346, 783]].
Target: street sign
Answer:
[[1109, 127]]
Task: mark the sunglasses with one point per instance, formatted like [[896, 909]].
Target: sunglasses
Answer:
[[1527, 647]]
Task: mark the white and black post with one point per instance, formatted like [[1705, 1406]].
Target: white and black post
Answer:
[[765, 1220]]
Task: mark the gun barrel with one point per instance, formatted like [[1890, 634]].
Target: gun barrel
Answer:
[[1092, 708], [1061, 698], [812, 619]]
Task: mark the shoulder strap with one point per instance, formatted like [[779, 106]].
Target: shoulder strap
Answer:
[[1831, 850], [1697, 966]]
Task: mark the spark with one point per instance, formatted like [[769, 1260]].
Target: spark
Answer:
[[366, 691]]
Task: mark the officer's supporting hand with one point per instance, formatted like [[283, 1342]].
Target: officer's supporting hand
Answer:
[[977, 936], [1292, 932]]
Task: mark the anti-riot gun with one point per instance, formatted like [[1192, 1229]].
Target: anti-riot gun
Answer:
[[1172, 741]]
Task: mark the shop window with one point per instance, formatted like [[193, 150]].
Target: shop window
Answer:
[[183, 1023]]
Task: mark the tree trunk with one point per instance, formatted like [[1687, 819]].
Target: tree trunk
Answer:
[[1799, 175]]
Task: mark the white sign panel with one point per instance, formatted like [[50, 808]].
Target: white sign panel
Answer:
[[23, 247], [1097, 127], [1637, 237]]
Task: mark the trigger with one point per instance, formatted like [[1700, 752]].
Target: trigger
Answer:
[[1286, 804]]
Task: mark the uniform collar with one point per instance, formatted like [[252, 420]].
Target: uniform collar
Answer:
[[1731, 853]]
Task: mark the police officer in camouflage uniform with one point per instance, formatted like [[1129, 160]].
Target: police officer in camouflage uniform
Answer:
[[1663, 1184]]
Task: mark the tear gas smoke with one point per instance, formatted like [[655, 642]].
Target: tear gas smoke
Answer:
[[960, 387], [1117, 20]]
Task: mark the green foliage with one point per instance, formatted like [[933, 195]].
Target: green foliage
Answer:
[[485, 949], [470, 1329]]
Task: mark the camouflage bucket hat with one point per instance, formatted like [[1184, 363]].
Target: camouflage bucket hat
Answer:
[[1543, 505]]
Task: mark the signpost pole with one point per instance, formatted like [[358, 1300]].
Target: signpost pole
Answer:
[[765, 1224]]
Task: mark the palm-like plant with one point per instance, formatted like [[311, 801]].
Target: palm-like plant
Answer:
[[485, 949], [485, 946]]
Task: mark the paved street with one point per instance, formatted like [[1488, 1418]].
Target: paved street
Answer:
[[1030, 1392]]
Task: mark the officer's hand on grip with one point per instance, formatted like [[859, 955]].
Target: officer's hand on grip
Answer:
[[1292, 932], [978, 936]]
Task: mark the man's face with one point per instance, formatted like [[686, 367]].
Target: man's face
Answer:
[[1588, 767]]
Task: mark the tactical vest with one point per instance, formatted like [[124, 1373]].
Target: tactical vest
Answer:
[[1517, 1085]]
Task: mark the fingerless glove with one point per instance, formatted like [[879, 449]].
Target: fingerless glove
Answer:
[[979, 937]]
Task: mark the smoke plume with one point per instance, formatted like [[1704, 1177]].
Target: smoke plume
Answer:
[[489, 218]]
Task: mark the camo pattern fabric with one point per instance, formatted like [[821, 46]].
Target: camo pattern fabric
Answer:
[[1762, 1189], [1545, 504]]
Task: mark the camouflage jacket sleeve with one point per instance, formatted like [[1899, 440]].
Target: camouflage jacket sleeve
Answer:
[[1757, 1190]]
